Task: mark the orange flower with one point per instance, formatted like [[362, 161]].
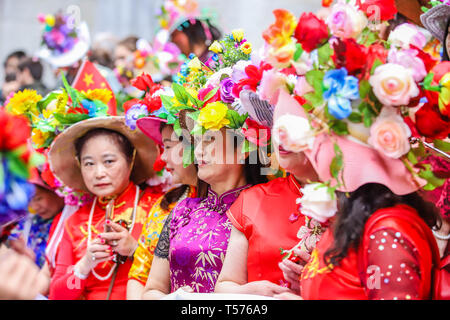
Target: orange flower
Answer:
[[279, 33]]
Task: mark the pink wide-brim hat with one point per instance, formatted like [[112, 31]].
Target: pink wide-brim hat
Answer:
[[362, 164], [150, 127]]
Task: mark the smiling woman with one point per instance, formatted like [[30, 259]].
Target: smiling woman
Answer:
[[104, 157]]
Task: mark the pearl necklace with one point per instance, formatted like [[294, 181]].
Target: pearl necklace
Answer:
[[91, 214], [437, 235]]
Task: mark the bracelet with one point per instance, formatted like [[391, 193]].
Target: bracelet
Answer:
[[78, 274]]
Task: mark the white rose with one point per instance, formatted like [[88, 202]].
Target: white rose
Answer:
[[317, 202], [293, 133], [214, 80], [408, 34]]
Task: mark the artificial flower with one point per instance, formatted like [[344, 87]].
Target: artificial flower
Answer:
[[317, 202], [238, 35], [202, 93], [340, 89], [251, 82], [23, 102], [271, 84], [256, 133], [430, 123], [213, 116], [104, 95], [153, 103], [215, 79], [10, 136], [409, 59], [383, 10], [302, 87], [407, 34], [237, 71], [145, 82], [246, 47], [375, 53], [128, 104], [279, 33], [393, 84], [346, 21], [226, 87], [281, 57], [216, 47], [134, 113], [311, 31], [39, 137], [350, 55], [293, 133], [195, 64], [389, 134]]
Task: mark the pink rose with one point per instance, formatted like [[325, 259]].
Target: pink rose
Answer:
[[346, 21], [393, 84], [409, 59], [408, 34], [389, 134], [302, 87]]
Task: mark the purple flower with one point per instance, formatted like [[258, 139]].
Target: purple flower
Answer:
[[134, 113], [226, 86]]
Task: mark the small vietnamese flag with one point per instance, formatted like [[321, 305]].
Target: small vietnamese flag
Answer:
[[89, 78]]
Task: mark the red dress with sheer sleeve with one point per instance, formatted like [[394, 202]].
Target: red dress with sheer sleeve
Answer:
[[394, 261]]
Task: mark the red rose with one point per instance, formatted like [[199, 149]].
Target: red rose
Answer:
[[430, 123], [152, 103], [375, 52], [16, 132], [350, 55], [378, 9], [202, 93], [145, 83], [254, 76], [256, 133], [311, 31], [159, 164], [427, 59]]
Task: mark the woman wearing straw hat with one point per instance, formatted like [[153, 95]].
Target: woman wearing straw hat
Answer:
[[104, 157]]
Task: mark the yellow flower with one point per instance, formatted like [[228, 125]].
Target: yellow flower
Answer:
[[246, 47], [50, 20], [213, 116], [192, 92], [238, 35], [23, 102], [445, 80], [216, 47], [61, 102], [38, 137], [104, 95], [195, 64]]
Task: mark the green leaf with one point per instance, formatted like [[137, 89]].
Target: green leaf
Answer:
[[340, 127], [188, 156], [167, 102], [442, 145], [433, 181], [355, 117], [298, 51], [70, 118], [171, 119], [42, 104], [71, 91], [198, 130], [194, 115], [412, 157], [375, 65], [177, 127], [180, 93], [308, 107], [315, 79], [236, 120], [324, 53], [364, 88], [315, 99], [37, 159], [337, 163], [17, 166], [427, 83], [248, 146]]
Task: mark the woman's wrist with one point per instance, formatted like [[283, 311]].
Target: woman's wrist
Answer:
[[83, 267]]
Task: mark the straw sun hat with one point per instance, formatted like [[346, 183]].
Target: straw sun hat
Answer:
[[62, 154]]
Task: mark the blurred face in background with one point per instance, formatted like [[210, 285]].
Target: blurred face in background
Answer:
[[123, 57], [46, 203], [12, 65]]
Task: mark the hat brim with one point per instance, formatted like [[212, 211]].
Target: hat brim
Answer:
[[79, 50], [150, 127], [435, 20], [62, 154]]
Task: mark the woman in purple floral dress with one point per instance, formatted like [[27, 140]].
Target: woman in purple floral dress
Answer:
[[194, 239]]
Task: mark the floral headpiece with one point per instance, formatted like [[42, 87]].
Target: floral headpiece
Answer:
[[204, 93], [16, 161], [60, 34], [389, 96]]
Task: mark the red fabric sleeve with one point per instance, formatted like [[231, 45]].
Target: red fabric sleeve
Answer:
[[64, 284], [235, 213], [395, 265]]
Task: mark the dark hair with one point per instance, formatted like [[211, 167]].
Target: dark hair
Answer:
[[19, 54], [34, 66], [129, 43], [195, 31], [122, 142], [445, 56], [355, 209], [102, 57]]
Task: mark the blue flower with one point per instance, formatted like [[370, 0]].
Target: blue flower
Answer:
[[341, 88], [134, 113]]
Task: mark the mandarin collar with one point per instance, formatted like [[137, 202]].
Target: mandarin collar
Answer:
[[221, 203], [118, 200]]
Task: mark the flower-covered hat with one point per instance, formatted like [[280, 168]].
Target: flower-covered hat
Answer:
[[16, 162], [365, 102], [64, 42], [436, 19]]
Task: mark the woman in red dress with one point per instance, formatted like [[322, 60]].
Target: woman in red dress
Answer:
[[102, 156]]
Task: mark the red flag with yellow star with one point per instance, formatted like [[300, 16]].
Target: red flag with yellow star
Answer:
[[89, 78]]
